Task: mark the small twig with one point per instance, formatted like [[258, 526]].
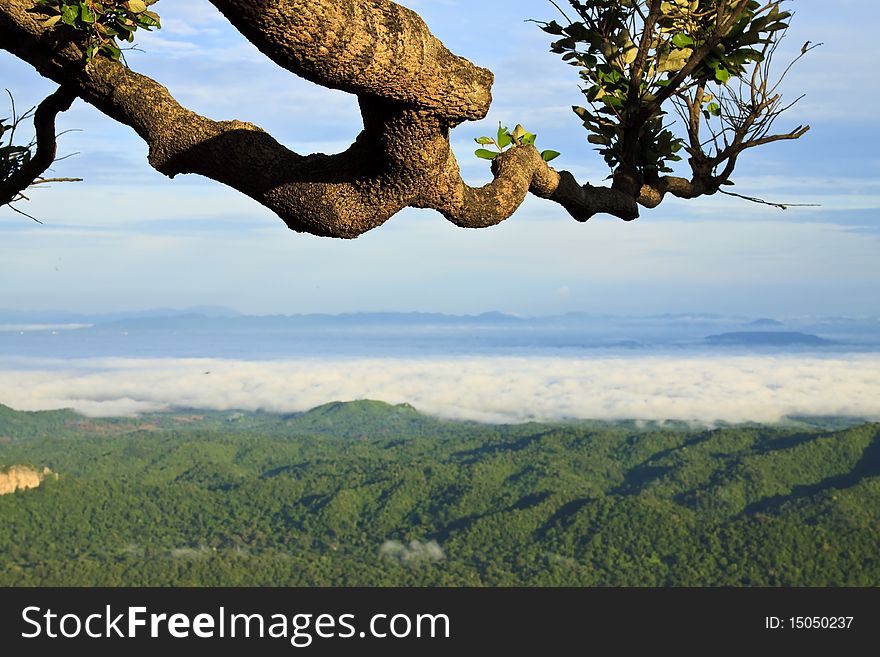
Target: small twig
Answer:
[[43, 181], [781, 206], [560, 11], [64, 157], [15, 209]]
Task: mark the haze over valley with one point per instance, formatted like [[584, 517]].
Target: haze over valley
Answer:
[[491, 367]]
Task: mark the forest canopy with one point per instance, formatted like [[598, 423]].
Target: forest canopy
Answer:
[[366, 493]]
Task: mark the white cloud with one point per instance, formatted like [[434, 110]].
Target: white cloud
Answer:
[[491, 389]]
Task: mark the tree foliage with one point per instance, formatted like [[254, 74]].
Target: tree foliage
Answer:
[[102, 22], [504, 139], [705, 60]]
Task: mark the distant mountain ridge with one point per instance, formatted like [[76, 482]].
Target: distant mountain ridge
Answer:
[[359, 419], [251, 322], [222, 312], [67, 317], [419, 334], [767, 338]]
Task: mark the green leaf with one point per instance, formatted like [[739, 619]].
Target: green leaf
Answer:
[[111, 50], [552, 28], [682, 41], [549, 155], [149, 19], [504, 138], [136, 6], [722, 74], [484, 141], [69, 14], [86, 14], [485, 154], [581, 112]]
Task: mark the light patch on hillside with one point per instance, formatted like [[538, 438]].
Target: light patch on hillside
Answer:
[[412, 553], [21, 477]]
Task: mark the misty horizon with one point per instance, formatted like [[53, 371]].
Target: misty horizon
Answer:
[[489, 368], [227, 310]]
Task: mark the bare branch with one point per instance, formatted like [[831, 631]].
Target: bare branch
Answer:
[[44, 155], [781, 206], [45, 181], [22, 213], [559, 9]]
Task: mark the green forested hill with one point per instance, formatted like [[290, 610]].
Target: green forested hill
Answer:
[[371, 494]]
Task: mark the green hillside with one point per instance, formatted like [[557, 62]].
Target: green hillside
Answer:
[[366, 493]]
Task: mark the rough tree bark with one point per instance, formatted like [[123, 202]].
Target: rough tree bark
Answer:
[[411, 92]]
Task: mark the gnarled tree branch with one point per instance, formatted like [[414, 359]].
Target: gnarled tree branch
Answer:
[[45, 146], [364, 47], [411, 91]]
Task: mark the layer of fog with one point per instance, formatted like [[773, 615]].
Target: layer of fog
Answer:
[[493, 389]]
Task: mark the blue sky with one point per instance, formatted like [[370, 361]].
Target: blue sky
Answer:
[[127, 238]]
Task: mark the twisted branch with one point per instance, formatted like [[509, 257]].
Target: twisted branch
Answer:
[[411, 91], [44, 126]]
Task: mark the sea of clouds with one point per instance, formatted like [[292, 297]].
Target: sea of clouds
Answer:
[[699, 388]]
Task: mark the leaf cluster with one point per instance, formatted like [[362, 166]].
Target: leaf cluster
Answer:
[[13, 157], [634, 55], [505, 139], [105, 23]]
